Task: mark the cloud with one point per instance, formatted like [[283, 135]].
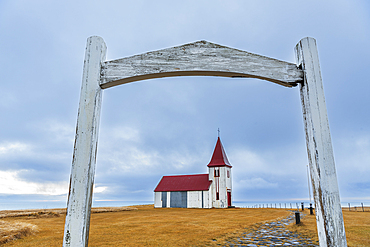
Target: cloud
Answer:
[[11, 183], [169, 126], [12, 148], [255, 183]]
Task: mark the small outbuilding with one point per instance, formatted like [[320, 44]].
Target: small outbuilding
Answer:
[[210, 190]]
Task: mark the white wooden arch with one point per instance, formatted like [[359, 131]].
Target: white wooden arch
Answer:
[[203, 58]]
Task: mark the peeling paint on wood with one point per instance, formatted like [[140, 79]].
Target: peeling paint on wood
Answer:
[[76, 230], [329, 216], [200, 58]]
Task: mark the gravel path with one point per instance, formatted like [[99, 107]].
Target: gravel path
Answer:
[[272, 234]]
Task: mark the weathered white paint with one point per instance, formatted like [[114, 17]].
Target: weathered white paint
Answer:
[[157, 199], [200, 58], [329, 216], [76, 231], [194, 199], [206, 201], [168, 204]]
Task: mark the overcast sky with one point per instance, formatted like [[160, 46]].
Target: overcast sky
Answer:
[[169, 126]]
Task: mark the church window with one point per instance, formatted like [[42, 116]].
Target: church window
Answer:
[[217, 195], [228, 173], [217, 173]]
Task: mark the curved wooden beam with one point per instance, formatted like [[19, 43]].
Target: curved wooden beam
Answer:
[[201, 58]]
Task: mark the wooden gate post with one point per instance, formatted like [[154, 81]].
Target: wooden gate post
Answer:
[[76, 230], [329, 215]]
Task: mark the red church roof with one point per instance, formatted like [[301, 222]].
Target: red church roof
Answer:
[[184, 183], [219, 157]]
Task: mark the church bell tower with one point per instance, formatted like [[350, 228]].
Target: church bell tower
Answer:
[[219, 169]]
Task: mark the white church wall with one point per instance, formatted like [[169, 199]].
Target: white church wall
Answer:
[[168, 199], [157, 199], [223, 183], [229, 180], [194, 199], [223, 191], [206, 198], [213, 202]]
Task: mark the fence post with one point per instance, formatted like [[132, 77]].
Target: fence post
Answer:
[[297, 217], [311, 209]]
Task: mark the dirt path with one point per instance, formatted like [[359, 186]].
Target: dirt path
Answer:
[[272, 234]]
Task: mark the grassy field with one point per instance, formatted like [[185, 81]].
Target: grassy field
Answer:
[[357, 225], [144, 225]]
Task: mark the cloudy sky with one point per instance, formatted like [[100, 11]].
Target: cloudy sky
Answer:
[[169, 126]]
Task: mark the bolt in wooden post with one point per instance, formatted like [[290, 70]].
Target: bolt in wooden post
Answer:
[[329, 216], [76, 230]]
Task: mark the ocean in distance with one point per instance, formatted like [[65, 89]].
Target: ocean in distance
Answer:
[[28, 203]]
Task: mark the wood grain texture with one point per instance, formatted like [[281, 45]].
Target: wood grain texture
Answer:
[[328, 210], [200, 58], [76, 231]]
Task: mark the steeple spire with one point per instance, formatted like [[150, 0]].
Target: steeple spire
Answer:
[[219, 157]]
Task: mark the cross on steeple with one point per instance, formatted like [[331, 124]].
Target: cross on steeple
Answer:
[[218, 130]]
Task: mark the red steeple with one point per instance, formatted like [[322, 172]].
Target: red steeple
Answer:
[[219, 157]]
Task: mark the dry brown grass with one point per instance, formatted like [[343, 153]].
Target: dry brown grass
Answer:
[[153, 227], [11, 229], [357, 226], [356, 223], [146, 226], [15, 230], [46, 213]]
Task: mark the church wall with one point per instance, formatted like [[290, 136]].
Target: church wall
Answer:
[[168, 199], [223, 183], [179, 199], [229, 180], [208, 198], [223, 194], [157, 199], [194, 199]]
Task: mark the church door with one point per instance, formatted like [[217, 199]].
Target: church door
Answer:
[[229, 198]]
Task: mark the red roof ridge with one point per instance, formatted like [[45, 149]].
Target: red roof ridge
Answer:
[[219, 157]]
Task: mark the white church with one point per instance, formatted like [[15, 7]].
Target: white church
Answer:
[[211, 190]]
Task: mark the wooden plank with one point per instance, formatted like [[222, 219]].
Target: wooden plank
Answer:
[[328, 209], [200, 58], [76, 231]]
